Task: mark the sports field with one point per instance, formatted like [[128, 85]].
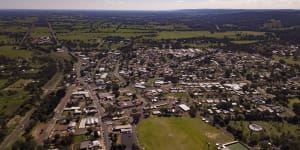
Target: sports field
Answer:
[[237, 146], [179, 133]]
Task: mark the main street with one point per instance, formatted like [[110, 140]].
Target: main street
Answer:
[[103, 127]]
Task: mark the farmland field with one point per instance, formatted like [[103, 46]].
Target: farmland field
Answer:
[[244, 42], [9, 103], [18, 85], [12, 53], [217, 35], [40, 31], [185, 133], [2, 83], [4, 38]]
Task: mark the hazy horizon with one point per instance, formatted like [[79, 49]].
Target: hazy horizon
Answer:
[[154, 5]]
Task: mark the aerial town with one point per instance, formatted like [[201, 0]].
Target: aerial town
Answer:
[[112, 92]]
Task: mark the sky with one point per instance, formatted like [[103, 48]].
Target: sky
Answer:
[[149, 4]]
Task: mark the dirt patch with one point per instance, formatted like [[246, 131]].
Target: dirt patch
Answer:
[[13, 121], [212, 135], [20, 84], [38, 130]]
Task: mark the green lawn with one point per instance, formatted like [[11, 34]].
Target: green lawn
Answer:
[[40, 31], [292, 101], [244, 41], [61, 56], [288, 60], [13, 96], [12, 53], [92, 37], [270, 128], [14, 29], [2, 83], [79, 138], [179, 133], [54, 81], [237, 146], [10, 103], [19, 85], [5, 39]]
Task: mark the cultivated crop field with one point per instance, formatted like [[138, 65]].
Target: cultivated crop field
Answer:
[[10, 101], [40, 31], [217, 35], [179, 133], [13, 53]]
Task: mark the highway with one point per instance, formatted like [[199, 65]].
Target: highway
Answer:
[[17, 132], [30, 29], [20, 128], [53, 33]]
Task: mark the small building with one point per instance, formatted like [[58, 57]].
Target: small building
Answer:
[[84, 145], [122, 127], [72, 125], [184, 107], [235, 145], [156, 112], [84, 93]]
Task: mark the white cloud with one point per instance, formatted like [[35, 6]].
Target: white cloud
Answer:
[[180, 1], [150, 4]]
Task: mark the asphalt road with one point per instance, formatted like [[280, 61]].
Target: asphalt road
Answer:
[[104, 130], [53, 34], [127, 139], [19, 129], [30, 29], [17, 132]]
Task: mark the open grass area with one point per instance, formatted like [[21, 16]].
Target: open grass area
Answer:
[[2, 83], [289, 59], [92, 37], [61, 56], [218, 35], [54, 81], [14, 29], [179, 133], [237, 146], [11, 52], [40, 31], [13, 96], [9, 103], [79, 138], [244, 41], [292, 101], [18, 85], [271, 128], [6, 39]]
